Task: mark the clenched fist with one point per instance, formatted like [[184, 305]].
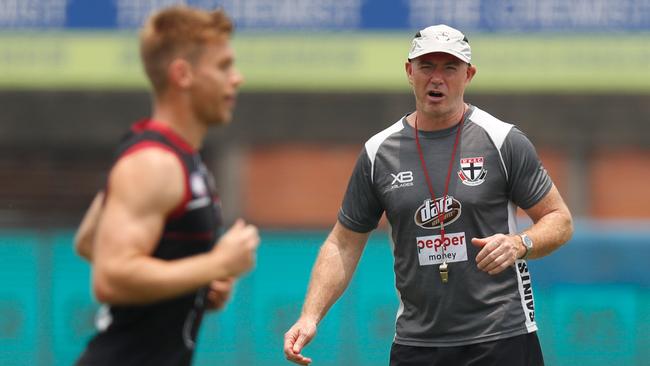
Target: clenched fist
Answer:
[[237, 248]]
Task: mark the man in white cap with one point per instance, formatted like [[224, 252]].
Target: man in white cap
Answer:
[[449, 178]]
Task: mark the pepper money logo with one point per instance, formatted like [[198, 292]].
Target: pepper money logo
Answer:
[[427, 216]]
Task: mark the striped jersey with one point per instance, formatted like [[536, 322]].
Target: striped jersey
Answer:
[[495, 169]]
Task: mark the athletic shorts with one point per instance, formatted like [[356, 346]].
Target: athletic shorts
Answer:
[[523, 350]]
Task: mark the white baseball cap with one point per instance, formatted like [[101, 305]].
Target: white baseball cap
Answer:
[[441, 38]]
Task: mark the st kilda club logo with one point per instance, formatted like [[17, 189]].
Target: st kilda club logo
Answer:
[[472, 172], [427, 216]]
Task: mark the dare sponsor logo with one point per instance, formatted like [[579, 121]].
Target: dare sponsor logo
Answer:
[[428, 215]]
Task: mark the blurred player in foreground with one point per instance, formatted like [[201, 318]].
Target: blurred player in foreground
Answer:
[[158, 260], [448, 177]]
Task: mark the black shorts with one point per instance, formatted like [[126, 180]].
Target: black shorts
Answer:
[[523, 350]]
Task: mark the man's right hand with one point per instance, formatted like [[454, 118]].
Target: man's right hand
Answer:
[[238, 247], [298, 337]]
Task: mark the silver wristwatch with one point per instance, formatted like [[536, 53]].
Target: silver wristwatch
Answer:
[[528, 243]]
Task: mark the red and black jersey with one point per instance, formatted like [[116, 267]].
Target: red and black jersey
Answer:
[[163, 333]]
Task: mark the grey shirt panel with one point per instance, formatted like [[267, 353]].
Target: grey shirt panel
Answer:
[[485, 178], [529, 181], [364, 210], [364, 215]]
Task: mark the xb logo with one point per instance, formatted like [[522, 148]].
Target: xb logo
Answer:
[[401, 180], [402, 177]]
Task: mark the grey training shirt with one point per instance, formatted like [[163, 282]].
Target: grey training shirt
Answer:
[[495, 169]]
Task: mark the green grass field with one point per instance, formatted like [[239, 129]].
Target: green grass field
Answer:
[[339, 61]]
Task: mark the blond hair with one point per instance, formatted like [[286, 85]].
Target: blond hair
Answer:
[[178, 32]]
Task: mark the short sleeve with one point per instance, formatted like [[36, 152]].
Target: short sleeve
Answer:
[[361, 210], [528, 181]]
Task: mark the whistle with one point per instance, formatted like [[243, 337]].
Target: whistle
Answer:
[[444, 272]]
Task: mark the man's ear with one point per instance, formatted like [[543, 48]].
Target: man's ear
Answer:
[[180, 73], [408, 67], [471, 71]]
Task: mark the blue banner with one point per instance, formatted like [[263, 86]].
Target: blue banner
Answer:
[[344, 15]]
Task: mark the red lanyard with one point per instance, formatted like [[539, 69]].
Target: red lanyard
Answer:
[[441, 208]]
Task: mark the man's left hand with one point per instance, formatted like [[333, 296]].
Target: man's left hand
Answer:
[[498, 252], [219, 293]]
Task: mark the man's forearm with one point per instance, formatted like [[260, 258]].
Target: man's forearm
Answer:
[[85, 235], [146, 279], [549, 233], [335, 265], [553, 225]]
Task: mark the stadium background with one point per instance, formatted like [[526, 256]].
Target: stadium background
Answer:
[[321, 77]]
